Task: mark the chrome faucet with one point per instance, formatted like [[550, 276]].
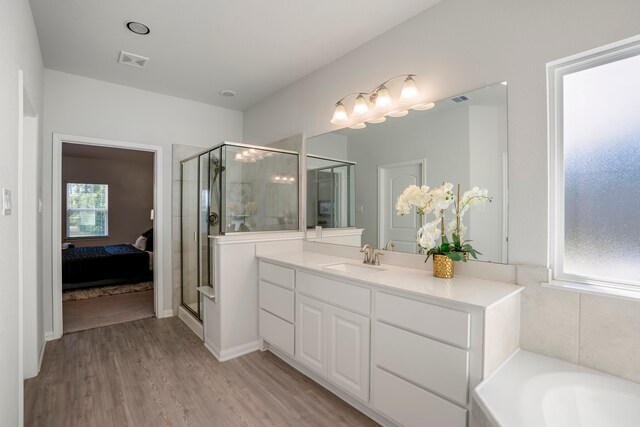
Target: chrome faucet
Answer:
[[367, 253]]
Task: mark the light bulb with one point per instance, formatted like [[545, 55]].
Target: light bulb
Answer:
[[238, 156], [377, 120], [409, 89], [340, 114], [292, 179], [383, 98], [358, 126], [360, 107], [277, 177]]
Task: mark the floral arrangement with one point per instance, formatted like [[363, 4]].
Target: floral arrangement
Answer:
[[436, 201]]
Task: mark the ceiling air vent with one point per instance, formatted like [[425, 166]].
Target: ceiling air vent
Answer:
[[137, 61], [458, 99]]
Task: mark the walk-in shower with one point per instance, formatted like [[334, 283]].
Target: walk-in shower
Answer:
[[231, 188]]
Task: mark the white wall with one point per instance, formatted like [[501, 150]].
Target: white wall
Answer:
[[456, 46], [460, 45], [20, 50], [81, 106]]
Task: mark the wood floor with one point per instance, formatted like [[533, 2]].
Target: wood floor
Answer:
[[106, 310], [156, 372]]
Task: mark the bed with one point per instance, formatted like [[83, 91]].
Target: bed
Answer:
[[93, 266]]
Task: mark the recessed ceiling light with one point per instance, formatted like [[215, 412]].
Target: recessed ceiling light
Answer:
[[227, 92], [138, 28]]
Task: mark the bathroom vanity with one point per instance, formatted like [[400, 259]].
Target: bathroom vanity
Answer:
[[396, 343]]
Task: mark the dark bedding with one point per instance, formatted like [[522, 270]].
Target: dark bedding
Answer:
[[103, 265]]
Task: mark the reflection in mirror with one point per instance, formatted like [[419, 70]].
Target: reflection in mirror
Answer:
[[462, 140], [330, 193]]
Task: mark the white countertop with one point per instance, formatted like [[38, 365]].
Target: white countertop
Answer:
[[461, 289]]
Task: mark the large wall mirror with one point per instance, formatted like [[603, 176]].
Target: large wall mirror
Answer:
[[462, 140]]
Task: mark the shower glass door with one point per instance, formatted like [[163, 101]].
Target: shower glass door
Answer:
[[190, 252]]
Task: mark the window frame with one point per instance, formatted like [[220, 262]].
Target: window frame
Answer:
[[105, 210], [556, 70]]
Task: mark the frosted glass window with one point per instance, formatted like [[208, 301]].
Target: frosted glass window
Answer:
[[87, 210], [601, 155]]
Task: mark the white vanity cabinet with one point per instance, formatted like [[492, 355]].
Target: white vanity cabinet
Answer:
[[403, 359], [335, 343], [421, 361], [276, 301], [331, 340]]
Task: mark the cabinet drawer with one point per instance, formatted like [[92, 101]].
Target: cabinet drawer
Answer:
[[410, 405], [342, 294], [277, 300], [282, 276], [442, 323], [431, 364], [276, 331]]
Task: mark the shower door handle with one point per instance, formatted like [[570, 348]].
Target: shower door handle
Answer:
[[195, 236]]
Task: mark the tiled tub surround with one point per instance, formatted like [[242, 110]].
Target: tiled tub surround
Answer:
[[365, 333], [598, 332]]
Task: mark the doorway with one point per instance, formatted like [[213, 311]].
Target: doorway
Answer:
[[392, 180], [83, 226]]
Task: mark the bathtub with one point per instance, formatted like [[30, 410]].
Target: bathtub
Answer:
[[531, 390]]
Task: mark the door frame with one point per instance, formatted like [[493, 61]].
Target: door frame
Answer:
[[382, 212], [56, 218]]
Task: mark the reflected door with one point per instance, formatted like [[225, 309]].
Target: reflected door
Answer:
[[392, 180]]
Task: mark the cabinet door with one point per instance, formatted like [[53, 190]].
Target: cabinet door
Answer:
[[348, 351], [311, 339]]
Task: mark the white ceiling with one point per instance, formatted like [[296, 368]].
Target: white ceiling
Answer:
[[199, 47]]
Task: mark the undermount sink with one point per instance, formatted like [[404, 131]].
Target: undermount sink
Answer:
[[353, 268]]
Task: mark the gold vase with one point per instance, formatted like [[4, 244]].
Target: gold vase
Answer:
[[442, 266]]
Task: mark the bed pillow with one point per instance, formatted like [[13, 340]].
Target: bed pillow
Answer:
[[141, 243], [149, 235]]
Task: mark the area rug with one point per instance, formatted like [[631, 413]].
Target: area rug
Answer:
[[81, 294]]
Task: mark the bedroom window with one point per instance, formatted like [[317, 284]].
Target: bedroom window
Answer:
[[87, 210], [594, 104]]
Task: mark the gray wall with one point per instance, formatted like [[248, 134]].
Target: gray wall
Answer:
[[130, 195]]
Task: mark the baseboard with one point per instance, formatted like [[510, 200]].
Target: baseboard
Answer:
[[233, 352], [166, 313], [191, 321], [48, 336], [239, 350], [41, 356], [213, 350], [357, 404]]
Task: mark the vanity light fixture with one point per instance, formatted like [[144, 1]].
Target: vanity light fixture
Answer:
[[425, 106], [409, 89], [284, 179], [399, 113], [379, 103], [360, 107]]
